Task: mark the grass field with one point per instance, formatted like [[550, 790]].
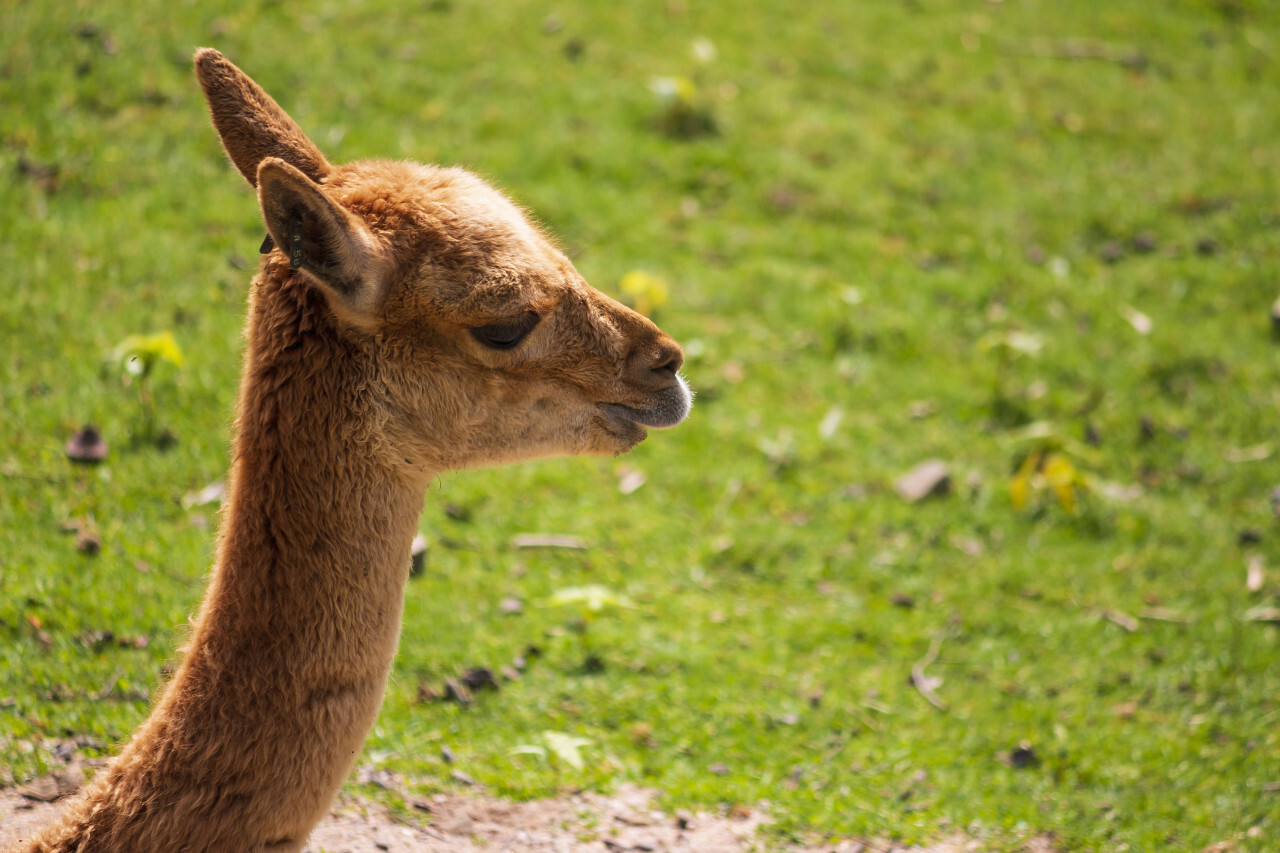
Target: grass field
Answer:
[[979, 232]]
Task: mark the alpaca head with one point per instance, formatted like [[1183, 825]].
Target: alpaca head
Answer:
[[489, 346]]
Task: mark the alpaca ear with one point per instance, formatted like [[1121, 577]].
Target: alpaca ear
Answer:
[[323, 239], [251, 124]]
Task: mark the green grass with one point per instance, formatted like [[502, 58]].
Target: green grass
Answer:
[[889, 183]]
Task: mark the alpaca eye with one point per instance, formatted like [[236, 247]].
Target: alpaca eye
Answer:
[[506, 335]]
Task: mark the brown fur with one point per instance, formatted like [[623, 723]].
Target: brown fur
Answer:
[[362, 381]]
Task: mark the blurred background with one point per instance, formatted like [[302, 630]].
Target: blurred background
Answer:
[[973, 527]]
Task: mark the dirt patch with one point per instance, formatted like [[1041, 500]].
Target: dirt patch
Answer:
[[619, 823]]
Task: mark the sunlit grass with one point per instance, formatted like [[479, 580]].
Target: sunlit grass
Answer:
[[885, 187]]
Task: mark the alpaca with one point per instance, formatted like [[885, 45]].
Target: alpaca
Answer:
[[407, 319]]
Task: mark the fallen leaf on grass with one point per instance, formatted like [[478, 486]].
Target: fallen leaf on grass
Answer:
[[1012, 343], [831, 422], [1117, 492], [480, 678], [88, 542], [54, 786], [455, 691], [98, 640], [1255, 574], [458, 513], [925, 480], [566, 747], [87, 446], [66, 749], [212, 493], [418, 555], [642, 736], [1256, 453], [927, 683], [630, 479], [463, 779], [1125, 710], [378, 777], [475, 680], [1141, 322], [42, 636], [593, 598], [921, 409], [1063, 478], [969, 546], [45, 175], [1022, 756]]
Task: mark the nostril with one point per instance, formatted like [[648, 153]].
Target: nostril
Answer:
[[669, 359]]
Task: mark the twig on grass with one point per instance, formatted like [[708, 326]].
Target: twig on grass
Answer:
[[1262, 614], [732, 489], [866, 720], [1164, 614], [925, 683], [110, 686], [547, 540], [1124, 620], [11, 472], [1126, 57]]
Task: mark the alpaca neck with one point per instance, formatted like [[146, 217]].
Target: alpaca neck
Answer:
[[290, 653], [314, 551], [301, 620]]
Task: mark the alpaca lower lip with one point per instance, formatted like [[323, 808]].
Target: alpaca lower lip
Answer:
[[668, 408], [641, 417]]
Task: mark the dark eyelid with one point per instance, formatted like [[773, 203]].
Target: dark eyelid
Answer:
[[506, 334]]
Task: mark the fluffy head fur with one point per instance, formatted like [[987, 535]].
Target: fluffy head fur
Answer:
[[410, 320]]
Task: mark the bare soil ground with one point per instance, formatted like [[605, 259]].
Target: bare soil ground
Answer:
[[619, 823]]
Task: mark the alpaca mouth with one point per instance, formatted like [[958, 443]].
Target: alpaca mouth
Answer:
[[665, 409]]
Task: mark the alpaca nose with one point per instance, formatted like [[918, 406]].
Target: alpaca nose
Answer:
[[668, 359], [654, 364]]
